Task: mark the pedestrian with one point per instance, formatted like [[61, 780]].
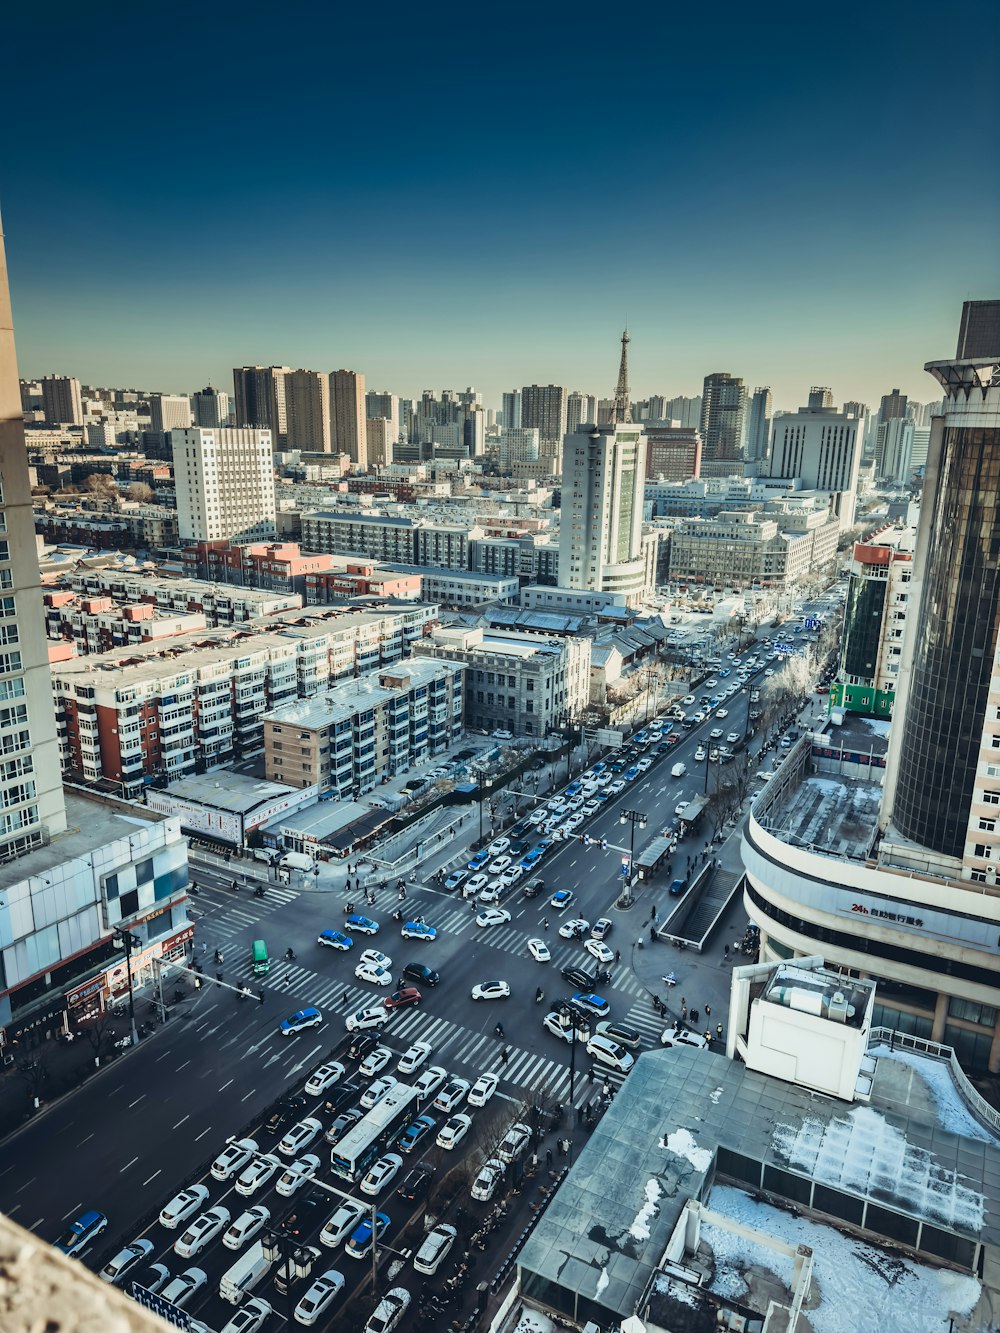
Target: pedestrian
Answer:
[[708, 1011], [708, 1036], [652, 913], [618, 955], [725, 953], [684, 1013], [402, 891], [684, 1003], [505, 1055], [718, 1031], [579, 1115], [343, 998], [548, 1157], [545, 923]]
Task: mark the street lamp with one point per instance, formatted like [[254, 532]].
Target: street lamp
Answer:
[[632, 817], [124, 939], [579, 1026]]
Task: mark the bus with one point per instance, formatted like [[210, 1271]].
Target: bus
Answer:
[[375, 1133]]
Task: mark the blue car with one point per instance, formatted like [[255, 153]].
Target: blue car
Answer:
[[335, 939], [561, 900], [361, 1237], [364, 925], [414, 1132], [531, 859], [479, 860], [79, 1235], [299, 1021], [593, 1004], [418, 930], [631, 774], [573, 789]]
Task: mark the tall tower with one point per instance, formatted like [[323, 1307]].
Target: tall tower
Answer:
[[942, 784], [759, 424], [31, 793], [723, 408], [210, 407], [819, 396], [307, 411], [822, 447], [621, 413], [348, 416]]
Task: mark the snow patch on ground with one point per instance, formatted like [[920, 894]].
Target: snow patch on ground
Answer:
[[713, 1097], [952, 1111], [640, 1226], [861, 1289], [682, 1143]]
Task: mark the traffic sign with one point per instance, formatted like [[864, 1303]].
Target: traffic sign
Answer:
[[625, 867], [167, 1310]]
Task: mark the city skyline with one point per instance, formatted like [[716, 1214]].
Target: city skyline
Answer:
[[788, 228]]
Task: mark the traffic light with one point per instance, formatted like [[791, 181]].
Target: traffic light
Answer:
[[260, 997]]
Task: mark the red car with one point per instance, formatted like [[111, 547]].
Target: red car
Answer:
[[673, 738], [400, 998]]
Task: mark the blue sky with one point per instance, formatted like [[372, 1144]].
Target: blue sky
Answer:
[[449, 196]]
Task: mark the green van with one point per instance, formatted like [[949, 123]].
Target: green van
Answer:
[[261, 962]]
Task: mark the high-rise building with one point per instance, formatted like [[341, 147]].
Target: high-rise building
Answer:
[[600, 527], [517, 445], [894, 450], [543, 408], [224, 480], [581, 410], [673, 453], [210, 408], [820, 396], [511, 405], [62, 400], [759, 424], [348, 416], [32, 807], [381, 441], [942, 786], [169, 411], [307, 411], [260, 400], [685, 411], [723, 412], [871, 643], [386, 405], [892, 405], [822, 447]]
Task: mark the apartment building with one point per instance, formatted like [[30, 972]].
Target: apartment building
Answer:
[[871, 645], [276, 566], [349, 738], [221, 604], [128, 527], [360, 580], [672, 452], [373, 535], [224, 481], [99, 624], [739, 550]]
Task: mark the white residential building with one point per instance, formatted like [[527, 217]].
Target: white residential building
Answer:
[[822, 447], [224, 481]]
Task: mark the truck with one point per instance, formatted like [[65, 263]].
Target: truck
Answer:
[[247, 1272]]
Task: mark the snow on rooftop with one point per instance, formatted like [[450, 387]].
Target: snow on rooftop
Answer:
[[861, 1152], [860, 1288], [952, 1112], [640, 1227], [682, 1143]]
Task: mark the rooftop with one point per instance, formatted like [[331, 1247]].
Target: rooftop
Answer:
[[225, 790], [364, 692]]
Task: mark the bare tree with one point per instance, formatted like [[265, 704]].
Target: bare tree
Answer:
[[100, 1032], [35, 1072], [141, 492]]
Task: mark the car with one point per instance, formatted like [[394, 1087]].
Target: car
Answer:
[[483, 1089], [425, 975], [451, 1094], [711, 684], [769, 671], [682, 1037], [361, 1241], [434, 1249], [552, 1023], [416, 1182], [298, 1174], [81, 1234], [317, 1300], [499, 864], [362, 925], [608, 1052], [233, 1157], [455, 879], [343, 1220], [415, 1132], [631, 773], [537, 815], [502, 734], [592, 1004], [620, 1033], [257, 1173], [591, 809], [491, 1173], [715, 734], [539, 950], [600, 951], [406, 995], [180, 1289], [479, 860], [562, 899], [251, 1317], [699, 754], [498, 846], [381, 1174], [419, 930], [183, 1205], [376, 958], [335, 939], [689, 699], [345, 1121], [246, 1226], [126, 1260], [493, 916], [323, 1078], [413, 1057], [602, 928], [574, 929], [300, 1021], [644, 764], [454, 1131], [372, 1016], [286, 1110], [201, 1231], [374, 1062], [152, 1277], [300, 1136], [432, 1078], [514, 1142], [377, 976], [491, 990], [511, 875], [616, 787], [476, 884], [733, 738], [395, 1302], [677, 887], [374, 1093]]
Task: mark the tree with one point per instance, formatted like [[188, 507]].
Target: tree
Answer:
[[100, 1032], [141, 493], [35, 1072], [100, 485]]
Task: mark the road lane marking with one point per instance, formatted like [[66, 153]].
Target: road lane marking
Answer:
[[181, 1121], [250, 1094], [183, 1066], [73, 1212], [225, 1085], [26, 1184], [152, 1177], [202, 1134], [136, 1102], [128, 1164]]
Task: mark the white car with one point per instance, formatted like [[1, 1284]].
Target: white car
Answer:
[[491, 990], [515, 1141], [257, 1173], [246, 1226], [600, 951], [682, 1037], [372, 1016], [394, 1303], [453, 1131], [251, 1317], [434, 1250], [483, 1089], [414, 1057], [233, 1158], [552, 1022], [510, 876], [382, 1173], [539, 950], [721, 713], [300, 1136], [450, 1096], [476, 883], [342, 1222], [616, 787], [180, 1289], [202, 1230], [493, 916], [323, 1078], [125, 1260], [490, 1175], [499, 865], [376, 958], [183, 1205], [491, 894], [591, 808], [374, 1062], [574, 929], [430, 1080], [699, 754], [378, 976], [297, 1174], [498, 846], [320, 1296], [376, 1091]]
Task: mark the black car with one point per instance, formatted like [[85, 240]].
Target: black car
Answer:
[[361, 1044], [308, 1214], [415, 1182], [345, 1121], [517, 847], [579, 977], [533, 889], [418, 972], [287, 1111], [342, 1095]]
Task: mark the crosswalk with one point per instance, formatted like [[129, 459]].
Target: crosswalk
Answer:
[[242, 910]]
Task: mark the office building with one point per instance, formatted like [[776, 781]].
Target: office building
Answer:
[[543, 408], [349, 417], [673, 453], [381, 441], [819, 396], [511, 409], [384, 406], [260, 400], [224, 482], [600, 528], [871, 643], [979, 334], [894, 451], [723, 412], [62, 400], [741, 550], [822, 447], [307, 411], [893, 404], [210, 408], [759, 425], [169, 411]]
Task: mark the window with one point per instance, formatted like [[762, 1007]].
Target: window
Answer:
[[991, 797], [984, 851], [988, 825]]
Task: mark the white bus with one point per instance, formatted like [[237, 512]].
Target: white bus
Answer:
[[375, 1134]]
